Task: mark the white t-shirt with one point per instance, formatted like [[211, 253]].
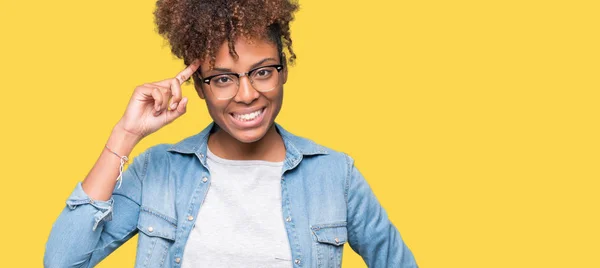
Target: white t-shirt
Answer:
[[240, 222]]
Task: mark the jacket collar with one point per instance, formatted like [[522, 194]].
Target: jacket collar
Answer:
[[296, 147]]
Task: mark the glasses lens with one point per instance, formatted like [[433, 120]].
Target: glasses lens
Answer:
[[224, 86], [265, 79]]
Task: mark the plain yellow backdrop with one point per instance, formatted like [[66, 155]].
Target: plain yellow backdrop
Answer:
[[475, 122]]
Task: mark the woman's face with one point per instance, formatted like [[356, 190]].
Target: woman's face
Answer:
[[249, 114]]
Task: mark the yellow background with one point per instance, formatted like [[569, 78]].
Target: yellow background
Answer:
[[475, 122]]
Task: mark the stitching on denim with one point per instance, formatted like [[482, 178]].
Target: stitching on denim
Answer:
[[149, 254], [322, 238], [319, 254], [328, 225], [164, 254], [292, 225], [331, 254], [147, 156], [168, 219], [190, 210], [349, 166]]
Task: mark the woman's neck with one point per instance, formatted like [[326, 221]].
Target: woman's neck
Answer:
[[269, 148]]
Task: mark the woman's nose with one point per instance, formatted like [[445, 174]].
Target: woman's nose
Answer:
[[246, 92]]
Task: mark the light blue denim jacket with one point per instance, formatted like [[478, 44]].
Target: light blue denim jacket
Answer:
[[326, 202]]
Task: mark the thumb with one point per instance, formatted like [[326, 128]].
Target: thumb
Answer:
[[179, 111]]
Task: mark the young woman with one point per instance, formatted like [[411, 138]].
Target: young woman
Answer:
[[243, 192]]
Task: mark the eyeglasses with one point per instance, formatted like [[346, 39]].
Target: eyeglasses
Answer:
[[226, 85]]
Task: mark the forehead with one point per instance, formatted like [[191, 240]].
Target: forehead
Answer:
[[249, 52]]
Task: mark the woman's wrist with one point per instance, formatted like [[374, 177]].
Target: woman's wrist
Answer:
[[122, 141]]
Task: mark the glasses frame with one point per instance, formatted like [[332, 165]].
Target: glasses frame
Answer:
[[206, 80]]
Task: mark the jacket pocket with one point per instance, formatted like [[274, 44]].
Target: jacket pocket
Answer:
[[156, 235], [330, 238]]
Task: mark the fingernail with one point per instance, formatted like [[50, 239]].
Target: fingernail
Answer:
[[185, 103], [156, 107], [173, 105]]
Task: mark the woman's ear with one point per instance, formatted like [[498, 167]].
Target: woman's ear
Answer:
[[285, 67]]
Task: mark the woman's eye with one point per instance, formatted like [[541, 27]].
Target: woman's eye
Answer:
[[222, 79], [263, 72]]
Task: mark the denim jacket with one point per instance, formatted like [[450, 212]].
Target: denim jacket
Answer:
[[326, 203]]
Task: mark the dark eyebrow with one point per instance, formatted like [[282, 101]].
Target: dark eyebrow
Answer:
[[261, 62], [227, 70]]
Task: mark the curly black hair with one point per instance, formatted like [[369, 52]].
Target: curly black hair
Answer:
[[196, 29]]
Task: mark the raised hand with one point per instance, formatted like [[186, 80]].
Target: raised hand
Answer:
[[149, 108]]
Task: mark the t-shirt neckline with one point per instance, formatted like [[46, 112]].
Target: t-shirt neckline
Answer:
[[211, 156]]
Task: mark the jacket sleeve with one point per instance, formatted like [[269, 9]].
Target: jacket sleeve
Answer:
[[370, 232], [86, 231]]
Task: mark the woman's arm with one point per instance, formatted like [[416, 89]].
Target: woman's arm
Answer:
[[96, 219], [101, 180], [370, 232], [99, 218]]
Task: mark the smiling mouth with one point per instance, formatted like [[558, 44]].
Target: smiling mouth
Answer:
[[249, 116]]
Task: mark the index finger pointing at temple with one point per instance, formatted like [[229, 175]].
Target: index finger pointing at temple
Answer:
[[188, 71]]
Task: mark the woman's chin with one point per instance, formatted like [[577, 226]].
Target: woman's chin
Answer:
[[249, 136]]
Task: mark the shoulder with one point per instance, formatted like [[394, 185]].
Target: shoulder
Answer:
[[158, 158], [317, 153], [324, 151], [155, 152], [326, 167]]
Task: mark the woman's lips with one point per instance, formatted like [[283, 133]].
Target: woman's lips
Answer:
[[249, 119]]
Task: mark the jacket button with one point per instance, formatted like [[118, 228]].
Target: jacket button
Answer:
[[337, 240], [177, 260], [150, 229], [204, 179], [297, 261], [190, 217], [288, 219]]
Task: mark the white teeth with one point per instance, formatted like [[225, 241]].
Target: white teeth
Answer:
[[248, 117]]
